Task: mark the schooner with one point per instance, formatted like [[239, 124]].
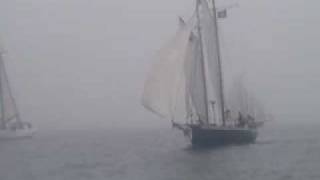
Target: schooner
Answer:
[[186, 85]]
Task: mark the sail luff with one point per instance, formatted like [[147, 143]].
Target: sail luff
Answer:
[[202, 61], [219, 62]]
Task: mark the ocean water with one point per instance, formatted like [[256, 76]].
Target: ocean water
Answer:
[[281, 152]]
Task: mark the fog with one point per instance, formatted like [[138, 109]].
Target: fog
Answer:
[[82, 64]]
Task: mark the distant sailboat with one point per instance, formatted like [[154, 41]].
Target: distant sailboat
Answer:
[[11, 126], [186, 85]]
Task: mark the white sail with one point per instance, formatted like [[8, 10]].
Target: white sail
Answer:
[[165, 86], [211, 55], [195, 80], [8, 108]]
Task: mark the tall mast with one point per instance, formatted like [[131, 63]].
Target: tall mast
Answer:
[[219, 62], [202, 62]]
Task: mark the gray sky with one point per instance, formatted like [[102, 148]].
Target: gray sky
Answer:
[[82, 63]]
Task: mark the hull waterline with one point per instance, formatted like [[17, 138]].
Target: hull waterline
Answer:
[[215, 136]]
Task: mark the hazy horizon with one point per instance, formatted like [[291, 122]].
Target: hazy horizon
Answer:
[[82, 64]]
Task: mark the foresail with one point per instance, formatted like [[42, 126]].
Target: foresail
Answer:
[[8, 108], [195, 86], [165, 84], [211, 55]]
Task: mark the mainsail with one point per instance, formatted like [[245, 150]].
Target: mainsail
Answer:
[[8, 108], [195, 81], [211, 53]]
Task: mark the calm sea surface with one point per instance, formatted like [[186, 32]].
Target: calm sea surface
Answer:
[[281, 152]]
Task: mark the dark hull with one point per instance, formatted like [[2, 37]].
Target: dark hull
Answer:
[[214, 136]]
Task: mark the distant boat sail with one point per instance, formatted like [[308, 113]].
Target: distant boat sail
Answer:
[[186, 85], [11, 126]]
